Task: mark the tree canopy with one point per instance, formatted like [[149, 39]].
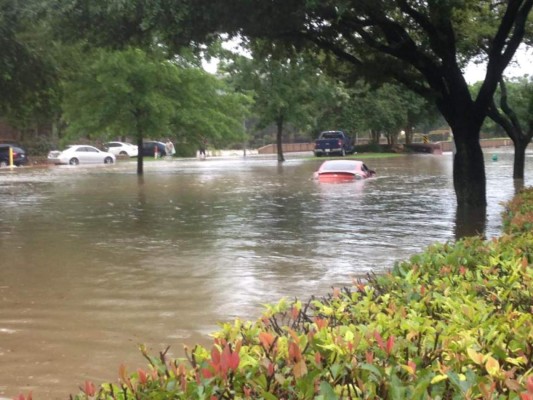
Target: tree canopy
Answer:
[[28, 77], [132, 93], [424, 45], [389, 109], [286, 89]]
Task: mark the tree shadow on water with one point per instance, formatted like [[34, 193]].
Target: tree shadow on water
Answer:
[[470, 221]]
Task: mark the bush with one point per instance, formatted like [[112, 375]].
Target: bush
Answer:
[[370, 148], [38, 145], [455, 322], [518, 214]]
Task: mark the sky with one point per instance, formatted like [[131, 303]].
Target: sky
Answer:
[[521, 65]]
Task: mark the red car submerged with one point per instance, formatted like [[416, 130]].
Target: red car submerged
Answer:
[[343, 170]]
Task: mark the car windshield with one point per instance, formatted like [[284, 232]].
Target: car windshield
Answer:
[[6, 148], [339, 166], [331, 135]]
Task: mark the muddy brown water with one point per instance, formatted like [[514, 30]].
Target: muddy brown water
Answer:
[[93, 262]]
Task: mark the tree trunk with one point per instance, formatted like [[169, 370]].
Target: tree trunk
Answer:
[[469, 169], [518, 184], [409, 134], [510, 123], [140, 159], [374, 136], [470, 185], [519, 158], [470, 221], [279, 139]]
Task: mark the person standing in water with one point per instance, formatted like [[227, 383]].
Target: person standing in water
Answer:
[[169, 148], [203, 147]]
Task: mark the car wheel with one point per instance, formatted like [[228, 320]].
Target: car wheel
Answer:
[[108, 160], [74, 161], [123, 153]]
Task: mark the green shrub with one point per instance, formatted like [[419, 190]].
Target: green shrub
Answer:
[[455, 322], [38, 146], [369, 148], [518, 214]]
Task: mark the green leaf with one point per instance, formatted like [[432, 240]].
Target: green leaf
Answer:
[[335, 370], [269, 396], [327, 392], [460, 381], [371, 368], [397, 391]]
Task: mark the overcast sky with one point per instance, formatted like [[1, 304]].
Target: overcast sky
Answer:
[[521, 65]]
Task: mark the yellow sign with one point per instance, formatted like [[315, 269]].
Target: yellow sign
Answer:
[[425, 139]]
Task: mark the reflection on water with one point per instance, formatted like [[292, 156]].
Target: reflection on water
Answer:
[[94, 262]]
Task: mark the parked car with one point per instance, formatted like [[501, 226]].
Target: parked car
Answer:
[[343, 170], [333, 142], [150, 146], [81, 154], [19, 154], [122, 149]]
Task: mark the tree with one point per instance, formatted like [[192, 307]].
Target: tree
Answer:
[[129, 92], [28, 75], [210, 110], [423, 45], [121, 93], [388, 109], [381, 110], [285, 90], [336, 109], [420, 113], [515, 115]]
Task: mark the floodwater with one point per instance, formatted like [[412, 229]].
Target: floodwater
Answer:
[[93, 262]]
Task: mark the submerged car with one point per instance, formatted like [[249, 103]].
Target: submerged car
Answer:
[[122, 149], [150, 146], [343, 170], [81, 154], [19, 155]]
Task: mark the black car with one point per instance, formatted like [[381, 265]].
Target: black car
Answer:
[[150, 146], [19, 155]]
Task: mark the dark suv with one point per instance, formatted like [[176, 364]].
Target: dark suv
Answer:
[[19, 155], [149, 146]]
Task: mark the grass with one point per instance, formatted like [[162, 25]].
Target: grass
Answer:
[[359, 156]]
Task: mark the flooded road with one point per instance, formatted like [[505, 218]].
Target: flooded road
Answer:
[[93, 262]]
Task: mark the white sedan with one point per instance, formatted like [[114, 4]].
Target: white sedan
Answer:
[[122, 149], [81, 154]]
